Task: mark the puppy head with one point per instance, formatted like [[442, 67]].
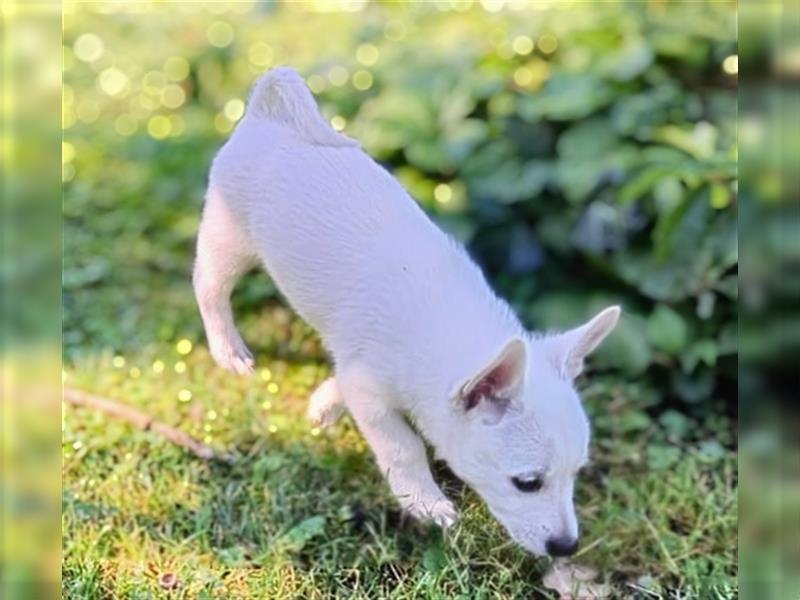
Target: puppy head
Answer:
[[525, 434]]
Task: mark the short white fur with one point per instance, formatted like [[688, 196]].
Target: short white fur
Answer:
[[413, 328]]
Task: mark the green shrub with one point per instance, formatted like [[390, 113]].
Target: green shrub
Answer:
[[585, 156]]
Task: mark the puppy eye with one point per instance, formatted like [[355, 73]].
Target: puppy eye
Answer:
[[528, 485]]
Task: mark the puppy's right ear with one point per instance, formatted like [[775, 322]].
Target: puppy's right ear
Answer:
[[494, 388]]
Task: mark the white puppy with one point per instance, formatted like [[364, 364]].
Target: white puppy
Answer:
[[412, 326]]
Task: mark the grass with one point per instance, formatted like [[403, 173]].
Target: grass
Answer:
[[305, 514]]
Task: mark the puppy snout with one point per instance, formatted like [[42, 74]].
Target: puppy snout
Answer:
[[561, 546]]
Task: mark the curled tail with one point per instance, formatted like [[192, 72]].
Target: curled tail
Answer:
[[282, 96]]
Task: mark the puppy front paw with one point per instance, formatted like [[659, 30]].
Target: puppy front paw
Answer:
[[438, 510], [325, 405]]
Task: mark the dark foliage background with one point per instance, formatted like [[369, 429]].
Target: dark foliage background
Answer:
[[584, 156]]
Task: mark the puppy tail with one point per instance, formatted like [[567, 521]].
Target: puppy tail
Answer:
[[281, 95]]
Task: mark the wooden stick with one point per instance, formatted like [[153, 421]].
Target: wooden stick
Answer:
[[144, 422]]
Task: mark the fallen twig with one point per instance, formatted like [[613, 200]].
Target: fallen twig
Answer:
[[144, 422]]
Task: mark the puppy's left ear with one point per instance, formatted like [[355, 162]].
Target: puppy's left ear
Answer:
[[492, 391], [576, 344]]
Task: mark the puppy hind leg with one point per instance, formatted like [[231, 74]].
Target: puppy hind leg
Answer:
[[223, 255], [325, 405]]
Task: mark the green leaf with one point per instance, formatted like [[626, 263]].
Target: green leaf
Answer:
[[434, 558], [627, 348], [699, 141], [676, 424], [632, 59], [232, 557], [693, 388], [711, 451], [720, 196], [661, 457], [587, 139], [429, 155], [634, 420], [642, 184], [302, 533], [702, 351], [567, 96], [667, 330]]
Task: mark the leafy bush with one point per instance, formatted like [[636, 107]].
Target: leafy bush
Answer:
[[586, 157]]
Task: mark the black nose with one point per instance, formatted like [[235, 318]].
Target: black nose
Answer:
[[561, 546]]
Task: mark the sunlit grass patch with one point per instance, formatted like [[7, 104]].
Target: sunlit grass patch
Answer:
[[303, 514]]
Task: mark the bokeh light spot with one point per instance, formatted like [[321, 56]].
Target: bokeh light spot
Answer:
[[522, 44], [158, 366], [338, 123], [184, 395], [222, 123], [183, 347], [220, 34], [362, 80], [180, 367], [118, 361], [492, 6], [260, 54], [159, 127], [548, 43], [273, 388], [113, 81], [338, 75], [234, 109], [154, 82], [316, 83], [88, 47], [523, 76], [531, 75], [443, 193], [177, 68], [367, 54], [731, 64], [173, 96]]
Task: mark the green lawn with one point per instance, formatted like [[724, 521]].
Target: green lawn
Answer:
[[303, 513]]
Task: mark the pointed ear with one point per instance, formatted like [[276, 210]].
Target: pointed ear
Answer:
[[492, 390], [574, 345]]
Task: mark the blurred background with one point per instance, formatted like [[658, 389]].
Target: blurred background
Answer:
[[585, 155]]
